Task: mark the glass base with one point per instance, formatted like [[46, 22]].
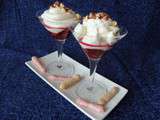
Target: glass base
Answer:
[[64, 69], [90, 91]]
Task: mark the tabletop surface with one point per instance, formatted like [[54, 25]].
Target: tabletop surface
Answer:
[[133, 63]]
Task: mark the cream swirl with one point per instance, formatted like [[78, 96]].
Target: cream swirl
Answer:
[[97, 32], [58, 17]]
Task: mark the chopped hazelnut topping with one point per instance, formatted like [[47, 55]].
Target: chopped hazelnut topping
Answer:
[[78, 16], [97, 15], [100, 15], [63, 8], [67, 9], [61, 5], [114, 23], [53, 5], [105, 18], [103, 15], [57, 3], [86, 17], [92, 15]]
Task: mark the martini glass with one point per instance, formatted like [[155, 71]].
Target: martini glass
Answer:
[[58, 67], [91, 89]]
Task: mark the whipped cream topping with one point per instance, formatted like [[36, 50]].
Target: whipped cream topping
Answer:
[[98, 31], [58, 17]]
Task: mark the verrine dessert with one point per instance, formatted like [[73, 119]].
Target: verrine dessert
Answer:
[[59, 20], [96, 34]]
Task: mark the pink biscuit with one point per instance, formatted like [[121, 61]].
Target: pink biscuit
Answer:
[[92, 106], [38, 64]]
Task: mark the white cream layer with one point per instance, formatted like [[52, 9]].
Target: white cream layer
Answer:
[[96, 32], [57, 19]]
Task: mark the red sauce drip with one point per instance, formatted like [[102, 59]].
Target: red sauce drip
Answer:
[[61, 35]]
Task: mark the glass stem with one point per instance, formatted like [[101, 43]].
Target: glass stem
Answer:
[[93, 66], [60, 52]]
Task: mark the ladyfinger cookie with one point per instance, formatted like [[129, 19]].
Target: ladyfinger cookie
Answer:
[[108, 96], [38, 64], [55, 77], [69, 82]]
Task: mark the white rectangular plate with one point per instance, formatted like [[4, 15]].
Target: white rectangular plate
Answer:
[[70, 93]]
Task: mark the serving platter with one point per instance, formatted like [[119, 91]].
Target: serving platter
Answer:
[[70, 94]]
